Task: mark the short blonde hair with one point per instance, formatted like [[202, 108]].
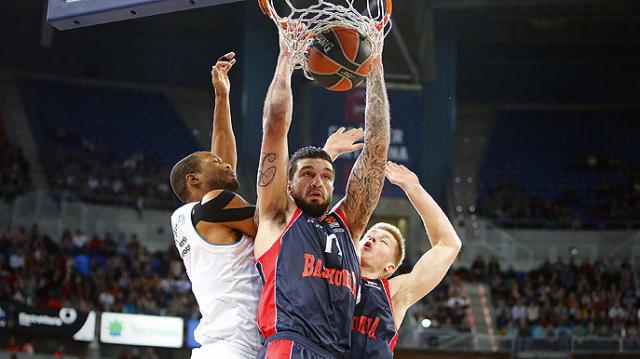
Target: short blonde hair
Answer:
[[397, 235]]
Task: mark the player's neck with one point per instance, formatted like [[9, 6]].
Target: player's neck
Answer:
[[196, 195], [321, 218], [368, 273]]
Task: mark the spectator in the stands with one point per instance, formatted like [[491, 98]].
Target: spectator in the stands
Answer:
[[91, 274], [14, 172], [562, 299]]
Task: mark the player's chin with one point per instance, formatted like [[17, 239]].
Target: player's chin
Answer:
[[365, 256], [233, 184], [313, 208]]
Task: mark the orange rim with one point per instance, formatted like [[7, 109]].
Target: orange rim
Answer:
[[387, 16], [264, 6]]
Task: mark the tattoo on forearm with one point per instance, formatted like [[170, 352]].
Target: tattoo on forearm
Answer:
[[367, 177], [267, 171]]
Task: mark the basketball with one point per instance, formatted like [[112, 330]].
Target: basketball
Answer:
[[339, 58]]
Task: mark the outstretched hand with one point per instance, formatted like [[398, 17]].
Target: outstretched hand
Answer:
[[294, 41], [344, 141], [220, 73], [400, 175]]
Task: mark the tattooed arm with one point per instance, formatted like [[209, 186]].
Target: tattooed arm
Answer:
[[367, 176], [272, 171]]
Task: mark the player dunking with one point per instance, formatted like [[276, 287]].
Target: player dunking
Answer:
[[384, 303], [305, 253], [214, 232]]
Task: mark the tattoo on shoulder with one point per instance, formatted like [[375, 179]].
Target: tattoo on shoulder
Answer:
[[267, 171]]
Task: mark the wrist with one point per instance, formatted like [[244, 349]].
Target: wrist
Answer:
[[221, 95], [410, 186], [331, 152]]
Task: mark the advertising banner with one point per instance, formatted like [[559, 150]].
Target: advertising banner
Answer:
[[191, 327], [137, 329], [332, 110], [65, 322]]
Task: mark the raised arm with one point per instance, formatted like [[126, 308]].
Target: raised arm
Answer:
[[367, 176], [407, 289], [272, 171], [223, 141]]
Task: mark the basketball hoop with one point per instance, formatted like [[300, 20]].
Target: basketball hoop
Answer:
[[299, 26]]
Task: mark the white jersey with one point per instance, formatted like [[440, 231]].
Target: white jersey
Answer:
[[225, 283]]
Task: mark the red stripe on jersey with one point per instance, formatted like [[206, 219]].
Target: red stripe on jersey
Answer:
[[267, 310], [343, 217], [279, 349], [394, 340]]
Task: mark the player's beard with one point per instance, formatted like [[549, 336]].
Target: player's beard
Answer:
[[233, 185], [315, 210], [230, 184]]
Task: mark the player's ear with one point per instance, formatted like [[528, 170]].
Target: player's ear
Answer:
[[289, 188], [389, 269], [192, 179]]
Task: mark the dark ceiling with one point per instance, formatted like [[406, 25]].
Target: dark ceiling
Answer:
[[407, 47]]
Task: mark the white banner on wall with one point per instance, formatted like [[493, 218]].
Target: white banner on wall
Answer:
[[136, 329]]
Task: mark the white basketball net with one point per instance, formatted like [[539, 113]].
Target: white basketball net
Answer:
[[300, 25]]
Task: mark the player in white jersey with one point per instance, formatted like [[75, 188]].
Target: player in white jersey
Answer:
[[214, 232]]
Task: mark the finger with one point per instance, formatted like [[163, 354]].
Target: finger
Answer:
[[219, 67], [225, 66], [358, 146], [388, 173], [340, 130], [224, 69], [226, 57]]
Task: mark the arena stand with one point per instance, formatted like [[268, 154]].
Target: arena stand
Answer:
[[14, 169], [135, 135], [563, 299], [562, 168]]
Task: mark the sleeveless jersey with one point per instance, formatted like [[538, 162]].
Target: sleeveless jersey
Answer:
[[374, 333], [311, 282], [224, 281]]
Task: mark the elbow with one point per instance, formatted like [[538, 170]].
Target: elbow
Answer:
[[276, 118], [275, 125], [455, 243], [458, 244], [277, 109]]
